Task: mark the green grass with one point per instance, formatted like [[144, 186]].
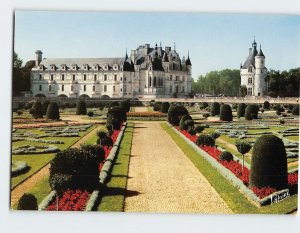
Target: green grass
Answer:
[[293, 138], [93, 139], [37, 161], [114, 194], [237, 202], [40, 191]]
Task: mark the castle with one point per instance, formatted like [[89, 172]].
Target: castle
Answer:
[[254, 73], [146, 73]]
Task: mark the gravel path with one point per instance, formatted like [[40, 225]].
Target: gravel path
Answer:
[[141, 109], [28, 184], [162, 179]]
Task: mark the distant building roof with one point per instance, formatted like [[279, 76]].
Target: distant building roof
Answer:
[[251, 58]]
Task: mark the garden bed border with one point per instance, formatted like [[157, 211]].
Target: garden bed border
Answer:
[[249, 194]]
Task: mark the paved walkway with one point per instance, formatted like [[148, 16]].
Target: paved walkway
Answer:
[[162, 179], [141, 109], [28, 184]]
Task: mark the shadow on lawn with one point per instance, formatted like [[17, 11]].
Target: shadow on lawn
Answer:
[[116, 191]]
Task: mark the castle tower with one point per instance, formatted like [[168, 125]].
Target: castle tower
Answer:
[[188, 64], [260, 85], [253, 72], [38, 57]]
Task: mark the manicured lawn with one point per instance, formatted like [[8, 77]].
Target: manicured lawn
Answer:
[[114, 194], [40, 191], [234, 199], [37, 161]]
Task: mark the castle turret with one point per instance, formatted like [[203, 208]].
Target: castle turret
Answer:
[[188, 63], [38, 57], [260, 74]]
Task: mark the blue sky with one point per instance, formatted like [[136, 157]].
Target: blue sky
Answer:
[[215, 41]]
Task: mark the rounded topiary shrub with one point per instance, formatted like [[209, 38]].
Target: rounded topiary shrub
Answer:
[[241, 110], [268, 163], [27, 202], [266, 105], [199, 128], [125, 105], [226, 113], [37, 110], [205, 140], [45, 105], [157, 106], [81, 108], [175, 113], [203, 105], [117, 113], [295, 110], [61, 182], [251, 112], [226, 156], [215, 109], [165, 107], [183, 124], [52, 111]]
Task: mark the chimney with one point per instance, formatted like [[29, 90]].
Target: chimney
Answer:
[[38, 57]]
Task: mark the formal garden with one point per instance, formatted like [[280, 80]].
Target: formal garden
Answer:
[[77, 156]]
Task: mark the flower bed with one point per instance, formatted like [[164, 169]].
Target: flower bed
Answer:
[[242, 174], [46, 125], [70, 201], [80, 200]]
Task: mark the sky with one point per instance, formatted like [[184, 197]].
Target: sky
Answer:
[[214, 41]]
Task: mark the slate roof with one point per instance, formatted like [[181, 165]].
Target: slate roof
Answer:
[[47, 62], [251, 58]]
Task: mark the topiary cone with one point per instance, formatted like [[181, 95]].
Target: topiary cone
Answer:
[[268, 163]]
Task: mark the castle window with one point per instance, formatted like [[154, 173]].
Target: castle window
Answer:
[[154, 82], [183, 78], [40, 77], [63, 87], [95, 77], [176, 78], [40, 87], [121, 78], [170, 77], [72, 88], [50, 88], [125, 79], [51, 77], [73, 77], [84, 77], [171, 89], [121, 89], [105, 88], [114, 88], [63, 77], [105, 77], [249, 91], [115, 77], [250, 69], [150, 81], [182, 89], [250, 80], [84, 87], [94, 88]]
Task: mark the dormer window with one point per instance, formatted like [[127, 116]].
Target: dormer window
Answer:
[[250, 69], [63, 67], [115, 67], [40, 77], [74, 67], [86, 67], [41, 67], [96, 67], [105, 67], [53, 67]]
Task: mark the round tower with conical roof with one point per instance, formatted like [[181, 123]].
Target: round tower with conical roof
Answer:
[[260, 84], [253, 72]]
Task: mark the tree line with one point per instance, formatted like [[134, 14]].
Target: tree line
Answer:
[[227, 82], [21, 75], [221, 82]]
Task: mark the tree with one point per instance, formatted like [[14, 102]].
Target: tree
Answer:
[[27, 202], [53, 111], [243, 148], [37, 110]]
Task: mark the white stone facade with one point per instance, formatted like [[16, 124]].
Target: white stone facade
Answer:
[[254, 73], [148, 73]]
